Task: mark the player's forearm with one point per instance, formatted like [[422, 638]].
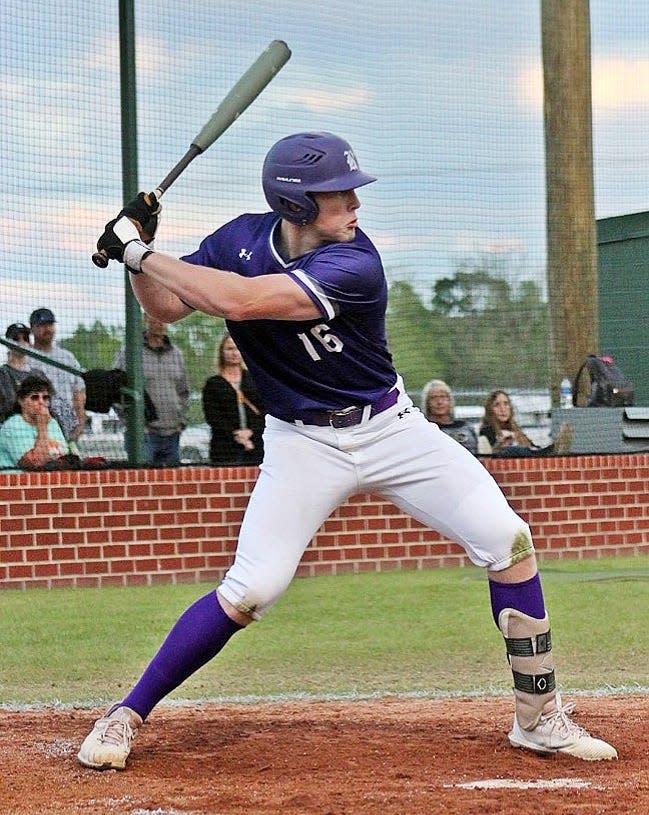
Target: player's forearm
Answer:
[[158, 300], [212, 291], [229, 295]]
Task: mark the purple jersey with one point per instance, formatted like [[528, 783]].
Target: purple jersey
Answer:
[[329, 363]]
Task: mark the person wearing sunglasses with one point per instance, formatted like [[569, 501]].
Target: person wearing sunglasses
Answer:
[[15, 369], [32, 439]]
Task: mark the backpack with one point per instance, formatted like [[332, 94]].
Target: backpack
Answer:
[[608, 385], [104, 389]]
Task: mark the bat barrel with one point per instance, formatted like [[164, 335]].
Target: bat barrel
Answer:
[[245, 91]]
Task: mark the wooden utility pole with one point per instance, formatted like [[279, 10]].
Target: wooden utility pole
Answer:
[[570, 206]]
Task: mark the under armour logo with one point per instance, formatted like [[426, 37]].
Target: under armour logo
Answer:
[[244, 253], [351, 159], [402, 413]]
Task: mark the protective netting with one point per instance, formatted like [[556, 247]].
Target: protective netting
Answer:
[[441, 100]]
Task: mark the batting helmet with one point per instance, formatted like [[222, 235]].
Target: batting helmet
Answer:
[[303, 163]]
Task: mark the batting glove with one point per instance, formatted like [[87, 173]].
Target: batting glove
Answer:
[[121, 241], [146, 210]]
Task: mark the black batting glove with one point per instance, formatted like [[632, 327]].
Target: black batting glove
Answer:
[[145, 209], [121, 241]]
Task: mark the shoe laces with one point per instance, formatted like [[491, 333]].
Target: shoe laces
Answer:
[[115, 731], [560, 721]]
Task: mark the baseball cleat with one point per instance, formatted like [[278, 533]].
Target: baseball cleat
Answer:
[[557, 733], [108, 744]]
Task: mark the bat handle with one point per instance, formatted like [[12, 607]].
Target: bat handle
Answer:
[[100, 259], [157, 194]]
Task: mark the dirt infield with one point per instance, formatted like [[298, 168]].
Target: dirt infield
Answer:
[[381, 757]]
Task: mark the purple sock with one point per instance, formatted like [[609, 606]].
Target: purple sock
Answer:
[[526, 597], [198, 635]]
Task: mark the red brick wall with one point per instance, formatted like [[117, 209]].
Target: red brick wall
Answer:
[[136, 526]]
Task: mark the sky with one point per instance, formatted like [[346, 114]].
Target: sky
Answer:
[[441, 100]]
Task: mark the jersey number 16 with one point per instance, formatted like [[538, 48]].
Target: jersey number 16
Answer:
[[320, 333]]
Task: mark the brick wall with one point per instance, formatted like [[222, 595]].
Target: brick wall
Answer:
[[136, 526]]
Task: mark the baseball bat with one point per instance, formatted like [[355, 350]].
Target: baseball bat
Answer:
[[245, 91]]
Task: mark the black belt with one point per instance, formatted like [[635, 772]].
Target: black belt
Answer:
[[350, 416]]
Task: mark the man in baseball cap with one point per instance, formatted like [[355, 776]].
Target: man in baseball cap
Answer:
[[41, 316], [70, 389]]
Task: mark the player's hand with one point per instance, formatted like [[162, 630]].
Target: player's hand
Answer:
[[121, 241], [145, 209]]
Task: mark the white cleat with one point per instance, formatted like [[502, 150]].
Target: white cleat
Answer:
[[557, 733], [108, 744]]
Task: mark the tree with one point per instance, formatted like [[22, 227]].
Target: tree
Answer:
[[411, 336], [469, 292], [95, 347], [497, 330], [197, 337]]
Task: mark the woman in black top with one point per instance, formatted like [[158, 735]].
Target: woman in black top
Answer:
[[233, 409]]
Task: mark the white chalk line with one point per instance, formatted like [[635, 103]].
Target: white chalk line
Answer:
[[352, 696]]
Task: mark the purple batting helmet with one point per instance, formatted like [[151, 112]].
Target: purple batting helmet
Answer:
[[304, 163]]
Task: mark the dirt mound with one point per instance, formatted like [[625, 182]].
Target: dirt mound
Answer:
[[380, 757]]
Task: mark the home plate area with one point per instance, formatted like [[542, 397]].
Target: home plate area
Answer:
[[382, 756], [514, 784]]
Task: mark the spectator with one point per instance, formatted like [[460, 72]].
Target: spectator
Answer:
[[165, 380], [438, 406], [14, 370], [70, 389], [232, 409], [31, 438], [500, 434]]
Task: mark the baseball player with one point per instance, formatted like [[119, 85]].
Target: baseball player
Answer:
[[304, 294]]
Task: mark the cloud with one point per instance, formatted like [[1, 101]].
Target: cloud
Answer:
[[71, 228], [19, 295], [617, 83], [386, 240], [470, 245], [319, 100], [154, 58], [506, 246], [13, 89], [621, 83]]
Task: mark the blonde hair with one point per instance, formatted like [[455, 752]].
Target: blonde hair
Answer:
[[217, 360], [436, 384]]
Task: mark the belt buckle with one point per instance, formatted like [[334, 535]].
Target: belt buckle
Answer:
[[347, 417]]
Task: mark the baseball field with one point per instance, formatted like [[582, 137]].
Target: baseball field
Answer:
[[359, 694]]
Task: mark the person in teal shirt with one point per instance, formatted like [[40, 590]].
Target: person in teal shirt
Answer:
[[31, 438]]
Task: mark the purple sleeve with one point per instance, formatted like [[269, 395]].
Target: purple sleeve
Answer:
[[342, 277]]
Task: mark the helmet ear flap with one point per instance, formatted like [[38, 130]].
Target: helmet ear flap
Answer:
[[302, 213]]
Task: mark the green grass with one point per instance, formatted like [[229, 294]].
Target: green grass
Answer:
[[397, 632]]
